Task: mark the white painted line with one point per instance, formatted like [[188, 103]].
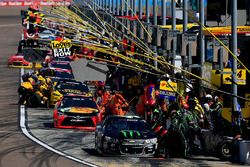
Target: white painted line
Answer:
[[9, 25], [30, 136]]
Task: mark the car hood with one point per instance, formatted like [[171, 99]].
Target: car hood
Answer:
[[131, 134], [17, 56], [80, 110]]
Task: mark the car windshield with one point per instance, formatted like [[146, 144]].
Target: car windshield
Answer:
[[72, 87], [46, 32], [61, 74], [61, 65], [78, 102], [127, 124]]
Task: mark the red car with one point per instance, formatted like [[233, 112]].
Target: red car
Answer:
[[18, 60], [26, 35], [77, 111]]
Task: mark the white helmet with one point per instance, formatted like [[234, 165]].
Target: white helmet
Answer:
[[209, 97]]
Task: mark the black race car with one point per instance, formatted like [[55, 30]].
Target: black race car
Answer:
[[67, 86], [125, 135], [56, 74]]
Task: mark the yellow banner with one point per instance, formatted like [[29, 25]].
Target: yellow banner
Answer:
[[66, 43], [226, 30], [216, 78], [169, 86], [227, 76]]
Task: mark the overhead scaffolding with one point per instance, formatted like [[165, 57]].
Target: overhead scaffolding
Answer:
[[161, 66]]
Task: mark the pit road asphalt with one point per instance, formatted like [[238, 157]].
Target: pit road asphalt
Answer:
[[17, 150]]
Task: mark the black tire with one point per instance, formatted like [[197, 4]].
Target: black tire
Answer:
[[225, 150], [96, 146], [102, 151]]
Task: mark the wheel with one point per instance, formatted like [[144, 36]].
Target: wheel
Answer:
[[96, 145], [225, 150], [103, 147]]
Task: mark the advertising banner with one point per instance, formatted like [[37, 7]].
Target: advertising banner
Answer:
[[61, 48], [38, 2]]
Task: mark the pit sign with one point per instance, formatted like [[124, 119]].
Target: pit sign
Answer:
[[227, 76], [61, 48], [168, 86]]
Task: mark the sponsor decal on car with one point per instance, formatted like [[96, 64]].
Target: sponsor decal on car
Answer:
[[130, 133]]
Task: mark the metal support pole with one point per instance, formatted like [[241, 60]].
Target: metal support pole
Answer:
[[226, 13], [117, 8], [127, 13], [202, 39], [94, 6], [140, 9], [221, 65], [134, 7], [155, 11], [127, 7], [140, 17], [234, 48], [122, 14], [113, 7], [248, 7], [185, 15], [173, 13], [105, 5], [122, 8], [164, 12], [131, 8], [155, 23], [110, 9], [189, 56], [147, 11]]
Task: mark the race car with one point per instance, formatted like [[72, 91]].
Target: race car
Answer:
[[47, 34], [77, 111], [27, 35], [56, 74], [17, 60], [125, 135], [66, 86], [61, 65]]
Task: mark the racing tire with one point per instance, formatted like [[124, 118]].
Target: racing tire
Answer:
[[33, 100], [225, 150], [102, 150], [96, 146]]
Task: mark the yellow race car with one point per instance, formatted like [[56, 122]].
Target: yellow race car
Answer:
[[67, 86]]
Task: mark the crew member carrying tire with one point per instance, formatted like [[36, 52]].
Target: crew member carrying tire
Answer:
[[25, 89], [117, 105]]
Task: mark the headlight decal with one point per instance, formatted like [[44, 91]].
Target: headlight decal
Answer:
[[153, 141]]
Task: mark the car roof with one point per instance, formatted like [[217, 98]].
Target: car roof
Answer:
[[76, 96], [60, 62]]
